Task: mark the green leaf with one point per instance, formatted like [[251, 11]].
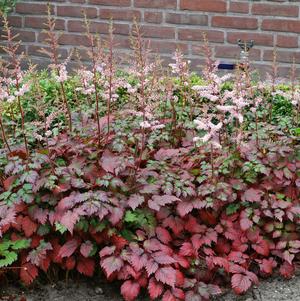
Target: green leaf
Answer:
[[280, 196], [128, 235], [130, 217], [4, 245], [43, 230], [83, 225], [20, 244], [60, 228], [9, 258]]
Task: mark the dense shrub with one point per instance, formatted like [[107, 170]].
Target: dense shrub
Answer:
[[169, 183]]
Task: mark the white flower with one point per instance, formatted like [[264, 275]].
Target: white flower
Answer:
[[201, 125], [100, 67], [24, 89], [11, 99], [206, 138], [158, 126], [145, 125], [62, 74], [48, 133]]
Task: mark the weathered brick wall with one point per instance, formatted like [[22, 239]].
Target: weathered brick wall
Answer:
[[171, 24]]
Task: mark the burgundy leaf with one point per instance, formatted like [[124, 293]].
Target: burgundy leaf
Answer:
[[130, 290], [135, 201], [166, 275], [112, 264], [68, 248], [86, 266], [86, 248], [107, 251], [240, 283], [109, 162], [155, 289], [163, 235], [158, 201], [252, 195]]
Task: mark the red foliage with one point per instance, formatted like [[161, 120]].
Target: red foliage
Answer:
[[179, 241]]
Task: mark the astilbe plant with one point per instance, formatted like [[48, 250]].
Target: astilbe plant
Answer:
[[169, 186]]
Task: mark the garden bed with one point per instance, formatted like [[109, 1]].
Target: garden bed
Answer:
[[273, 289], [174, 186]]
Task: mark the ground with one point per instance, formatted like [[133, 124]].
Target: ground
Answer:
[[275, 289]]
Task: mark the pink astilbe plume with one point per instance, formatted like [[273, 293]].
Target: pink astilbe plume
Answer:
[[212, 132], [86, 78], [180, 67], [59, 69]]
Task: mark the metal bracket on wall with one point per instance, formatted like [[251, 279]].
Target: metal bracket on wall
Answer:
[[244, 56]]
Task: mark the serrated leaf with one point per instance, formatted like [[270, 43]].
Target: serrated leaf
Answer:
[[130, 290], [252, 195], [68, 248], [28, 273], [20, 244], [9, 258], [86, 248], [86, 266], [155, 289], [112, 264], [166, 275], [135, 201]]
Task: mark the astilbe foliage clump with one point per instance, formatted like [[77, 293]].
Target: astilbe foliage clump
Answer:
[[167, 183]]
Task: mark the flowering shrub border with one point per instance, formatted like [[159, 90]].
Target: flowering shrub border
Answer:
[[167, 183]]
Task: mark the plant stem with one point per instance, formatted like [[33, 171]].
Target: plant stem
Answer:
[[3, 135], [212, 162], [110, 60]]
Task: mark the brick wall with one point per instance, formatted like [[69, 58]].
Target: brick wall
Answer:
[[171, 24]]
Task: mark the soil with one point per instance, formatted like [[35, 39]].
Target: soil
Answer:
[[276, 289]]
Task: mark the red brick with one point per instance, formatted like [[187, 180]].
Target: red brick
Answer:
[[31, 9], [153, 17], [204, 5], [97, 27], [187, 34], [14, 21], [76, 11], [167, 47], [287, 41], [111, 2], [183, 18], [281, 25], [286, 71], [275, 10], [73, 39], [239, 7], [36, 50], [264, 39], [282, 56], [262, 69], [20, 50], [24, 35], [122, 42], [197, 65], [156, 3], [40, 22], [163, 32], [234, 22], [116, 14], [76, 26], [233, 52]]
